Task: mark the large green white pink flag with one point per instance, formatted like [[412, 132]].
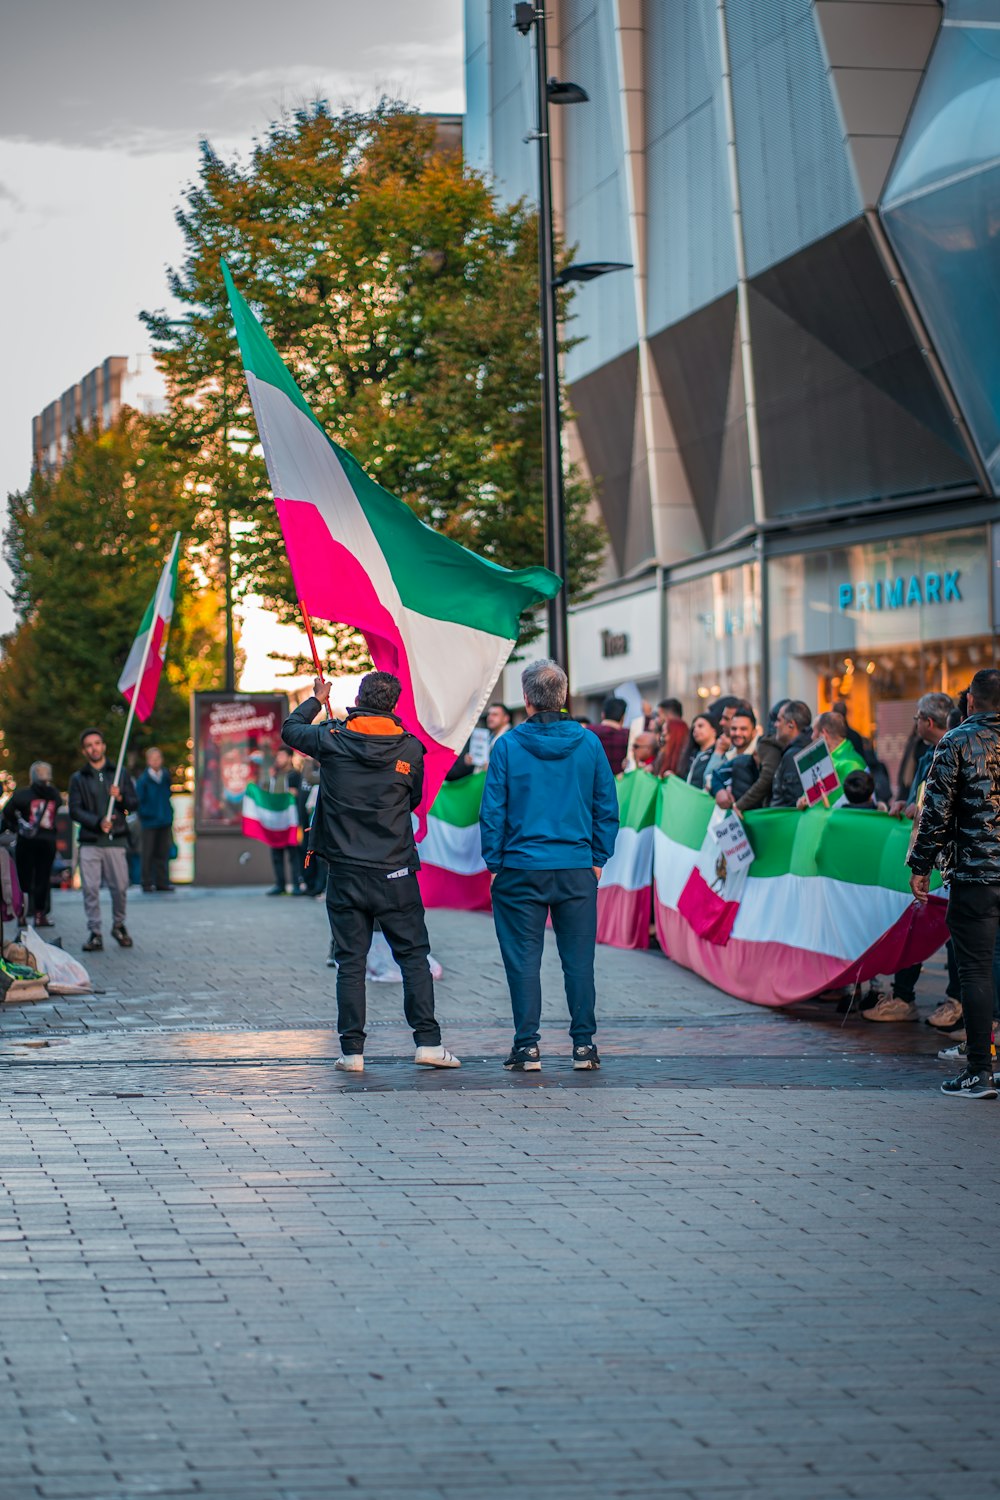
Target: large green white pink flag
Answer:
[[452, 873], [624, 896], [141, 674], [271, 817], [826, 901], [440, 617]]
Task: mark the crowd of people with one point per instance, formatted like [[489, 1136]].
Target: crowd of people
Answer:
[[948, 784]]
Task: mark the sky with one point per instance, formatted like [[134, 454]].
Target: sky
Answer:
[[102, 106]]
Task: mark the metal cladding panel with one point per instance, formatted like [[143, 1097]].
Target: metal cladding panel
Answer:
[[796, 183], [512, 108], [476, 149], [690, 228], [596, 210], [837, 290], [828, 435], [697, 361], [940, 212], [605, 404]]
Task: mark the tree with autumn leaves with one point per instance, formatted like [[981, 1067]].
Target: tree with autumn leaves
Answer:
[[403, 297], [85, 548]]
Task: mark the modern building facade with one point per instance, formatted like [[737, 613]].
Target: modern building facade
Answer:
[[95, 401], [791, 406]]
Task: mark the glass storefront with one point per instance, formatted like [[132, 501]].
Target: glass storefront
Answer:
[[879, 623], [714, 636]]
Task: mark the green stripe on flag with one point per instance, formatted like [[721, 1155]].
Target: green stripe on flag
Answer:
[[637, 794], [458, 802], [272, 802], [684, 812]]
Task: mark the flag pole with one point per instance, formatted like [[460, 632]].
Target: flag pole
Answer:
[[307, 622], [138, 684]]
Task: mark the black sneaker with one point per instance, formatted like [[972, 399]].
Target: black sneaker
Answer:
[[971, 1085], [524, 1060], [94, 943], [586, 1057], [120, 936]]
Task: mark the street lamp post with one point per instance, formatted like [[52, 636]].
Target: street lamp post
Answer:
[[552, 91]]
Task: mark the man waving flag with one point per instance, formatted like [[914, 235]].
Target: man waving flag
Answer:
[[438, 617]]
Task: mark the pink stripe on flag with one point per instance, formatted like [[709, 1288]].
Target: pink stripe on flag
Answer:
[[333, 585], [443, 888], [623, 916], [275, 838]]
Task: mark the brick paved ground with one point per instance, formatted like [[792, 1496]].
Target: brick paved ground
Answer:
[[754, 1256]]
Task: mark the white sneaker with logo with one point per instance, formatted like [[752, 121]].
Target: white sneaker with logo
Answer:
[[435, 1057], [889, 1008]]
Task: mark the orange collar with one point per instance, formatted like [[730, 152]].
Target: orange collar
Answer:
[[373, 724]]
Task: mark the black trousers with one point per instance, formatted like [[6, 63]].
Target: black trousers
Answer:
[[33, 860], [973, 921], [357, 898], [156, 844], [295, 873]]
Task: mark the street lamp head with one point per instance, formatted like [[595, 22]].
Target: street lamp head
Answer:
[[589, 270], [566, 93], [524, 16]]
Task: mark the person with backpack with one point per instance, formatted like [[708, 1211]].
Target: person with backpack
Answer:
[[30, 813]]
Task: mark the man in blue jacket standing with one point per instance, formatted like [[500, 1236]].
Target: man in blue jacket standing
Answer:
[[156, 817], [549, 820]]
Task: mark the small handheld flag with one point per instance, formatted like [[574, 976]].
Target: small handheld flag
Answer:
[[141, 674]]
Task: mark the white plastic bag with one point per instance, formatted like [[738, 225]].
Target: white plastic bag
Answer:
[[382, 968], [65, 974]]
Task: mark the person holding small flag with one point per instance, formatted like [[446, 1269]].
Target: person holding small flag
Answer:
[[99, 803]]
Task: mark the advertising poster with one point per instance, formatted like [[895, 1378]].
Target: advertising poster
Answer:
[[182, 863], [235, 738]]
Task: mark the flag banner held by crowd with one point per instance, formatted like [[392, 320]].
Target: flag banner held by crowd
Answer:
[[442, 619], [826, 900], [710, 901], [452, 873], [272, 817], [141, 674], [819, 775], [624, 896]]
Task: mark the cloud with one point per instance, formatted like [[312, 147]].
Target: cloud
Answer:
[[11, 199]]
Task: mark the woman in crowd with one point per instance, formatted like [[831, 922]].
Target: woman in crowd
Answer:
[[30, 812], [703, 737]]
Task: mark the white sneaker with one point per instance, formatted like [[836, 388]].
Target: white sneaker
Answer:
[[889, 1008], [435, 1057], [947, 1015], [351, 1062]]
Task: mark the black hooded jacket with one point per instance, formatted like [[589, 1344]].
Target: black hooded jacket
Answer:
[[371, 775]]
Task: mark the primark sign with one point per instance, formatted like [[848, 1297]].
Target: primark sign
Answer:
[[901, 593]]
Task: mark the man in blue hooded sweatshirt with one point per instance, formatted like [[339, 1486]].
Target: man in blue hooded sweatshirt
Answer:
[[549, 820]]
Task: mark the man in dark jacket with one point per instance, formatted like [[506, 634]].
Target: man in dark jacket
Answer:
[[793, 732], [156, 814], [283, 777], [30, 812], [960, 827], [613, 733], [103, 839], [371, 775], [549, 819], [752, 774]]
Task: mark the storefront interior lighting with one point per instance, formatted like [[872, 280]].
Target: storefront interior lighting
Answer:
[[870, 669]]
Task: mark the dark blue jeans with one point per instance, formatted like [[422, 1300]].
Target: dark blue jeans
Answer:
[[522, 900]]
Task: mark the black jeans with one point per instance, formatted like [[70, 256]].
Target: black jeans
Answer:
[[296, 855], [357, 898], [156, 844], [974, 921], [522, 899], [33, 860]]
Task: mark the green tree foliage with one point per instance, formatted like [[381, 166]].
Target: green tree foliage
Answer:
[[403, 297], [85, 549]]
